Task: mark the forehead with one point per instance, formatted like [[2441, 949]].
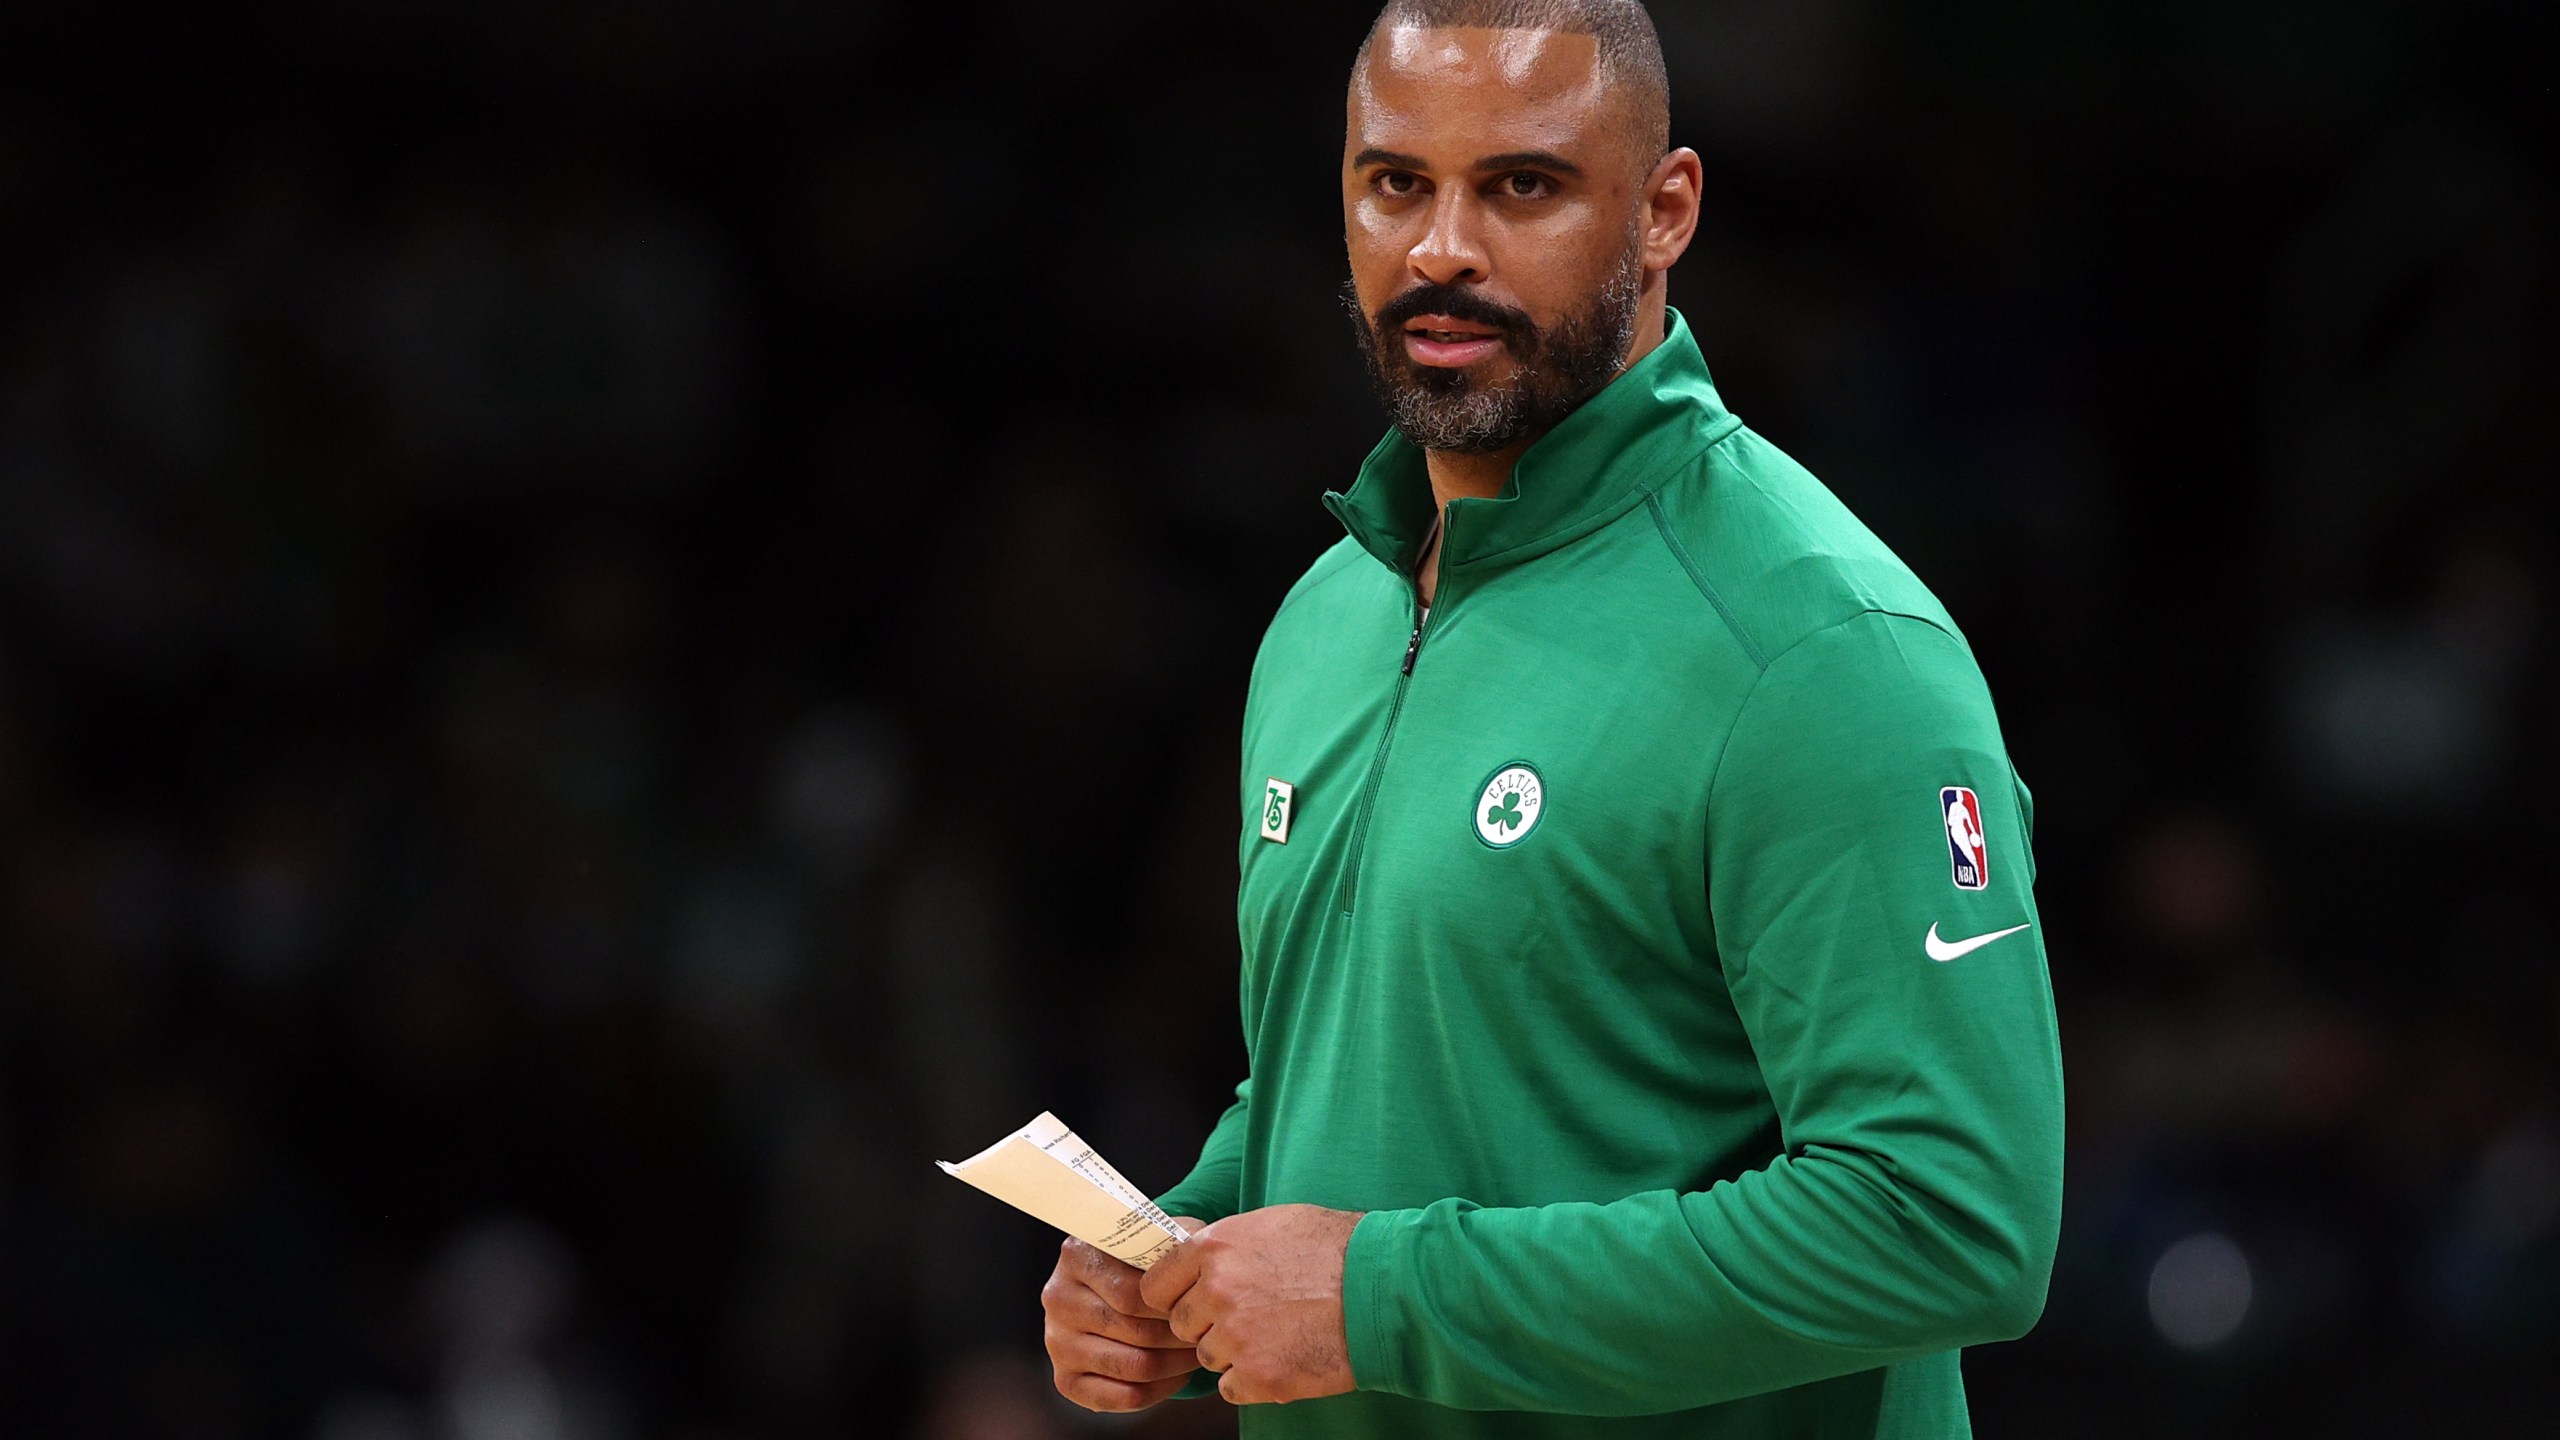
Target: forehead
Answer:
[[1479, 90]]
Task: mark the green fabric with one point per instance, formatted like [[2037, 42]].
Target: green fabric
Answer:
[[1659, 1108]]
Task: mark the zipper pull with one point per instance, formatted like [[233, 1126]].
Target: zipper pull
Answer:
[[1412, 647]]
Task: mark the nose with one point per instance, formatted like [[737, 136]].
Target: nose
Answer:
[[1451, 250]]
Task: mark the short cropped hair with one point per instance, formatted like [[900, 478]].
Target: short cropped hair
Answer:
[[1630, 51]]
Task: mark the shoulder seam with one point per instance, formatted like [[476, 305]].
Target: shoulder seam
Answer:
[[1680, 552], [1861, 613], [1961, 643]]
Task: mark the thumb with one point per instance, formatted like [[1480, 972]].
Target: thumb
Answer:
[[1166, 1284]]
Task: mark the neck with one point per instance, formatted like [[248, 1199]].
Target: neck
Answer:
[[1470, 477]]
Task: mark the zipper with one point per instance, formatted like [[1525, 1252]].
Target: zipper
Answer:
[[1378, 761]]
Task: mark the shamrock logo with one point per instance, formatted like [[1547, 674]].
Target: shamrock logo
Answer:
[[1508, 808]]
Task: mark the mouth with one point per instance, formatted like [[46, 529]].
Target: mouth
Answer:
[[1443, 342]]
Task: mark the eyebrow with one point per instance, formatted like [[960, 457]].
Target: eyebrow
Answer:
[[1508, 160], [1389, 158], [1530, 160]]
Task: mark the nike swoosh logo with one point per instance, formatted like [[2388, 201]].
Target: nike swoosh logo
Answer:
[[1945, 950]]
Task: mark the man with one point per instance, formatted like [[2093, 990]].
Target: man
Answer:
[[1635, 1029]]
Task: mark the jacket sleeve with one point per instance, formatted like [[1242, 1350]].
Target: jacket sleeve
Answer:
[[1916, 1199], [1210, 1191]]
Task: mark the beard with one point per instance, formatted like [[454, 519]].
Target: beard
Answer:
[[1556, 368]]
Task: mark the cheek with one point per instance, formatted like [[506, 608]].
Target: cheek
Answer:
[[1373, 231], [1554, 240], [1377, 248], [1558, 263]]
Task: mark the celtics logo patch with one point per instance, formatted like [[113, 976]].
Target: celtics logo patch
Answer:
[[1509, 805]]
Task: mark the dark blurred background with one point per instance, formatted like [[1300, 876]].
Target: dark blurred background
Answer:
[[619, 624]]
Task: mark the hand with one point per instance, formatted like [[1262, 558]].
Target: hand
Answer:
[[1108, 1348], [1260, 1295]]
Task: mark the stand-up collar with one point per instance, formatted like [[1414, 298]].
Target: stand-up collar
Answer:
[[1576, 477]]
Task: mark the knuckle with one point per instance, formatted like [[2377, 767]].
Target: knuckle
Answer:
[[1101, 1319]]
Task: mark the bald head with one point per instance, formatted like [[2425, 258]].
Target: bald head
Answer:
[[1630, 54]]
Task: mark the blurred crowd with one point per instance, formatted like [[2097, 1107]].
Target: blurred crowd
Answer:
[[617, 630]]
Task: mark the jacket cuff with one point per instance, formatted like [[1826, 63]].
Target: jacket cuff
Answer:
[[1375, 1279]]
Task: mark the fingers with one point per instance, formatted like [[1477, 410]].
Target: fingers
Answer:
[[1075, 1309], [1101, 1356], [1096, 1392], [1188, 1322], [1115, 1279], [1104, 1374], [1248, 1384], [1163, 1286], [1111, 1360], [1235, 1386]]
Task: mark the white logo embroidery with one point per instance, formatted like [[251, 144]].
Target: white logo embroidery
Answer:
[[1279, 803], [1509, 807], [1945, 950]]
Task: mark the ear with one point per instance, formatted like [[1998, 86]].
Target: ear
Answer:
[[1671, 203]]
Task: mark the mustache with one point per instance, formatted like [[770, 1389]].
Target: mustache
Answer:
[[1458, 303]]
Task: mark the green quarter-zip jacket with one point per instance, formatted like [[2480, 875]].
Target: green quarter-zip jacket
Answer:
[[1646, 941]]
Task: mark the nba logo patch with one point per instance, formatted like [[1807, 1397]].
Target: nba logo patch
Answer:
[[1970, 853]]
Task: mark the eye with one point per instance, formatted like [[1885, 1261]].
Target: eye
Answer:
[[1396, 184], [1522, 185]]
